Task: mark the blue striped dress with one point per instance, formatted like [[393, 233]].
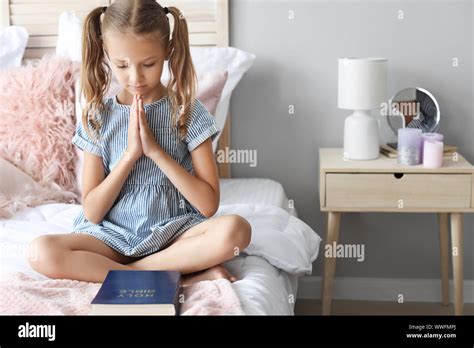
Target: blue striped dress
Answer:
[[149, 212]]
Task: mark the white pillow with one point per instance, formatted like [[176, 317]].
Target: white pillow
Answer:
[[205, 59], [13, 40], [285, 241]]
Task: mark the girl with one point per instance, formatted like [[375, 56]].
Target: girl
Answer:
[[150, 182]]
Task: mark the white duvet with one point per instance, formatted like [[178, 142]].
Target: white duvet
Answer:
[[281, 244]]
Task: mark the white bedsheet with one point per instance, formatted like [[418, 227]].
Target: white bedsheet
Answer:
[[262, 287], [258, 297]]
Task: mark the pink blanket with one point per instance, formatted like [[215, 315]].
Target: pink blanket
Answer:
[[21, 294]]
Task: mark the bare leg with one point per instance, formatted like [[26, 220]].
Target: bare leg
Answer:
[[86, 258], [61, 257], [202, 247]]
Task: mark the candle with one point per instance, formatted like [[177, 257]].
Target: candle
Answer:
[[409, 146], [433, 154], [431, 137]]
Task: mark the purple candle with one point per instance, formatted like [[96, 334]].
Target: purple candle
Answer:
[[430, 137], [409, 146]]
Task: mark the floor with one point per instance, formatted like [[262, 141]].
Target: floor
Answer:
[[346, 307]]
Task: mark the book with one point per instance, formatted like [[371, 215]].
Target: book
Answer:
[[390, 150], [138, 293]]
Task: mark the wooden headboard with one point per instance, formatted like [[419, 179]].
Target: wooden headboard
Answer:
[[208, 24]]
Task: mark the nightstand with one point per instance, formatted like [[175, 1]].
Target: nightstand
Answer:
[[382, 185]]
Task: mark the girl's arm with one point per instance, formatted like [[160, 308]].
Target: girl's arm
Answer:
[[201, 190], [101, 194], [98, 195]]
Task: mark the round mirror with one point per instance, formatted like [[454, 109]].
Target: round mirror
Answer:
[[414, 108]]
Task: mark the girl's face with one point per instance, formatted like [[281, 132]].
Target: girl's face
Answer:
[[137, 64]]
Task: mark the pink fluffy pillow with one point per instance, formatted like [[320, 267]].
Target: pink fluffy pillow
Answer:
[[37, 122]]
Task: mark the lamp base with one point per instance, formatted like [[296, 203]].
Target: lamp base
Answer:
[[361, 136]]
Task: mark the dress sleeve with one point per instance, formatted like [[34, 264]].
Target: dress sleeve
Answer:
[[201, 126], [82, 140]]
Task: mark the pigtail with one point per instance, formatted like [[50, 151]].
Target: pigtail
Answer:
[[95, 72], [182, 84]]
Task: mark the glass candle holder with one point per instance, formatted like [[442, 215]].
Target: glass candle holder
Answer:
[[409, 146], [433, 154], [430, 137]]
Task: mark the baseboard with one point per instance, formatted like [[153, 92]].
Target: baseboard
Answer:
[[382, 289]]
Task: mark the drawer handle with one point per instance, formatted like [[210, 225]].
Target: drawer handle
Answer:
[[398, 175]]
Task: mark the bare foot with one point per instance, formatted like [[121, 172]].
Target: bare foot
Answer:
[[216, 272]]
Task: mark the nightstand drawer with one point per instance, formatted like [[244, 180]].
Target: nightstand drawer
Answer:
[[391, 190]]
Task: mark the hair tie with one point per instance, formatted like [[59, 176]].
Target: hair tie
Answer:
[[104, 9], [166, 10]]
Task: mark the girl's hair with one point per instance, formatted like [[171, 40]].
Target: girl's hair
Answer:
[[138, 18]]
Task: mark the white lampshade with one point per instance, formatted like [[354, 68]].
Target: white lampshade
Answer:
[[362, 83]]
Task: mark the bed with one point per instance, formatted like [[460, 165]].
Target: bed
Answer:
[[282, 248], [262, 288]]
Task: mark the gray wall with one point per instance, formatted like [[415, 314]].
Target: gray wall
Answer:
[[297, 65]]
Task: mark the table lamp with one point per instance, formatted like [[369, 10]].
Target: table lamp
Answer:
[[362, 87]]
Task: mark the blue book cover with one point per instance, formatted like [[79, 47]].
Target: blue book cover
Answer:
[[138, 292]]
